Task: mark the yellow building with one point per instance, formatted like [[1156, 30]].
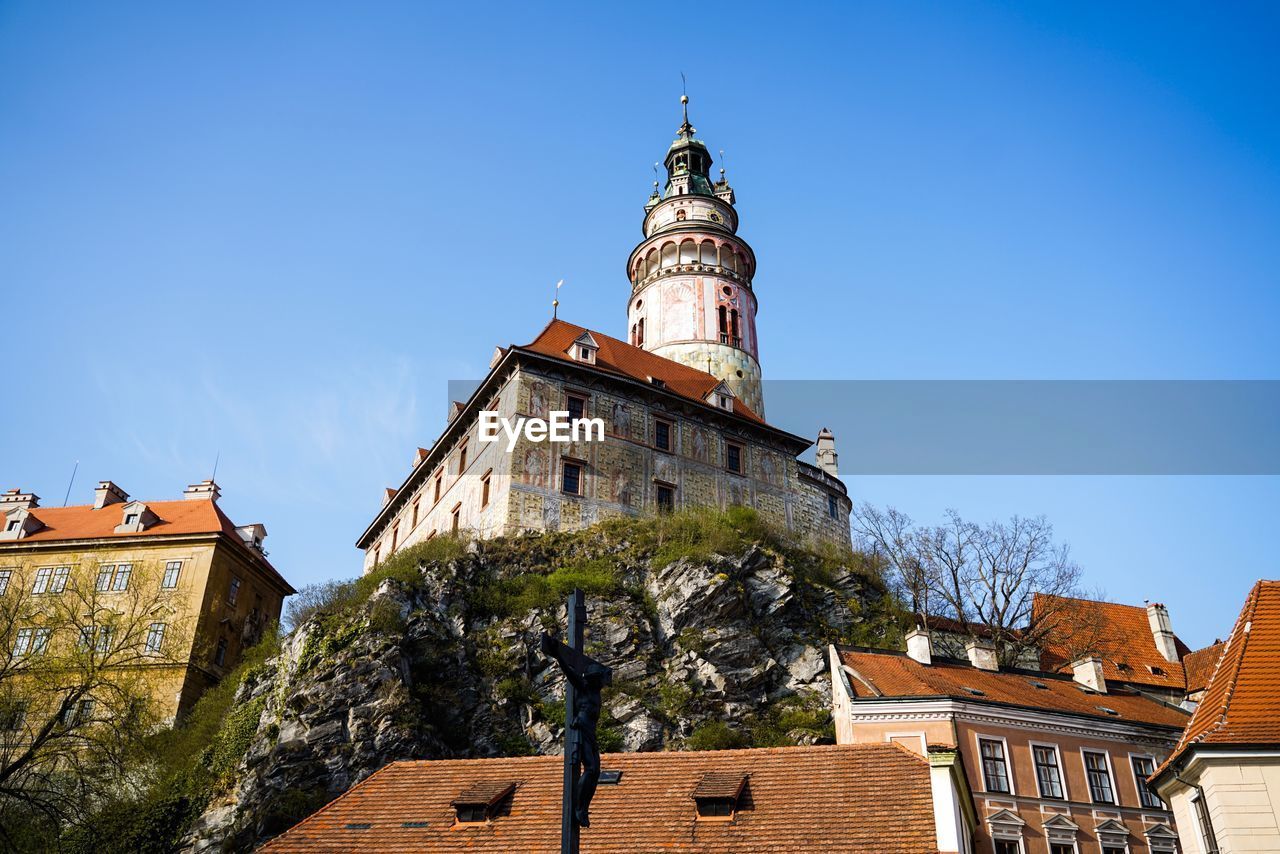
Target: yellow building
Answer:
[[186, 589]]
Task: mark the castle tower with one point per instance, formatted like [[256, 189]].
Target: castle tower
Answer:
[[691, 296]]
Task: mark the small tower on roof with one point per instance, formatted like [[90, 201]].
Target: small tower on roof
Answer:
[[691, 276]]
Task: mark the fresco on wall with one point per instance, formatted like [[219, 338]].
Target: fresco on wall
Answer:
[[620, 419], [534, 467], [538, 399], [698, 444], [679, 311]]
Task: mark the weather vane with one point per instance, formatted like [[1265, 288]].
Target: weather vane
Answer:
[[555, 302]]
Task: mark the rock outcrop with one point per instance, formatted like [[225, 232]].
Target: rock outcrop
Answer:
[[442, 661]]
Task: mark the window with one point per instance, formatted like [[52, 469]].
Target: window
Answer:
[[233, 590], [96, 638], [22, 643], [220, 653], [571, 478], [42, 580], [662, 435], [715, 806], [439, 478], [5, 575], [640, 333], [1208, 840], [1048, 771], [1144, 767], [75, 713], [666, 496], [995, 771], [1064, 848], [469, 813], [155, 637], [733, 457], [131, 518], [414, 524], [40, 641], [1005, 846], [833, 507], [1106, 849], [395, 535], [12, 714], [462, 458], [14, 524], [457, 519], [172, 570], [577, 406], [58, 582], [104, 577], [484, 488], [123, 571], [1099, 774]]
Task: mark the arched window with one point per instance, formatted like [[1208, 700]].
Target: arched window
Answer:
[[668, 254], [708, 253], [728, 258], [742, 263], [733, 328], [724, 324], [640, 333], [651, 262], [634, 343], [688, 252]]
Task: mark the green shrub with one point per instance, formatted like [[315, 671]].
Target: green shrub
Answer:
[[715, 735]]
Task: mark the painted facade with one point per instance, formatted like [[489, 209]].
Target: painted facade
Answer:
[[680, 399]]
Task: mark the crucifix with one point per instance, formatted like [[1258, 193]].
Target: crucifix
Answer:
[[584, 679]]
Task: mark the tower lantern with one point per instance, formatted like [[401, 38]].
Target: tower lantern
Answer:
[[691, 294]]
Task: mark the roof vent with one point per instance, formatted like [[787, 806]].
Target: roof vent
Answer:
[[358, 825], [205, 490], [1155, 671], [654, 381], [719, 793], [415, 824], [1108, 711], [975, 692], [1039, 685], [481, 801]]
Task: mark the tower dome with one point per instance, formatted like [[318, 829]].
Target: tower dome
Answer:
[[691, 295]]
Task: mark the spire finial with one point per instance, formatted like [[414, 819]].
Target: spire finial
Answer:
[[686, 130]]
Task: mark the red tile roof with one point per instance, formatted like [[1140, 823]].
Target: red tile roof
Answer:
[[1128, 651], [184, 516], [618, 357], [894, 675], [1241, 705], [872, 798], [1199, 665]]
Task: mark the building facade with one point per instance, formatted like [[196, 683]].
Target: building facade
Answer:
[[206, 585], [1056, 764], [680, 403], [1223, 780]]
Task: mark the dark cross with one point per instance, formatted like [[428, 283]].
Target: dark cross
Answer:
[[584, 679]]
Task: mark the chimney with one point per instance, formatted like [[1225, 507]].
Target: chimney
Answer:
[[826, 454], [1162, 631], [982, 654], [919, 647], [108, 493], [16, 498], [1088, 672], [419, 457], [387, 495], [455, 409], [205, 490]]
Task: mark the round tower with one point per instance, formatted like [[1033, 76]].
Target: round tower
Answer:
[[691, 296]]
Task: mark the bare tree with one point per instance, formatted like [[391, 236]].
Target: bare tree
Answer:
[[983, 577], [85, 660]]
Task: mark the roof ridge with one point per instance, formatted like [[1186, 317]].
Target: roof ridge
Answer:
[[1246, 625]]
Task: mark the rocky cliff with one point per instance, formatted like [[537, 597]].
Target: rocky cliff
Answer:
[[715, 629]]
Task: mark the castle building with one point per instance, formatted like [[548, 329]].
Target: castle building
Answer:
[[170, 589], [680, 402]]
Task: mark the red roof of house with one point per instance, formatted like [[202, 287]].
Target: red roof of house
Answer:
[[1128, 649], [184, 516], [618, 357], [894, 675], [1199, 665], [858, 798], [1241, 704]]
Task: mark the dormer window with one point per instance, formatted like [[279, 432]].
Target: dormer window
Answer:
[[583, 349], [19, 523], [135, 518], [719, 794], [483, 801], [14, 524], [721, 397]]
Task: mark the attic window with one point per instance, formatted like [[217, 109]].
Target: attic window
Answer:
[[14, 524], [1108, 711], [131, 518], [1123, 667], [415, 824], [610, 778], [480, 801], [718, 794], [1039, 685], [1157, 671], [359, 825], [975, 692], [657, 382]]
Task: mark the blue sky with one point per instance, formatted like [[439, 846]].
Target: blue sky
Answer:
[[276, 233]]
